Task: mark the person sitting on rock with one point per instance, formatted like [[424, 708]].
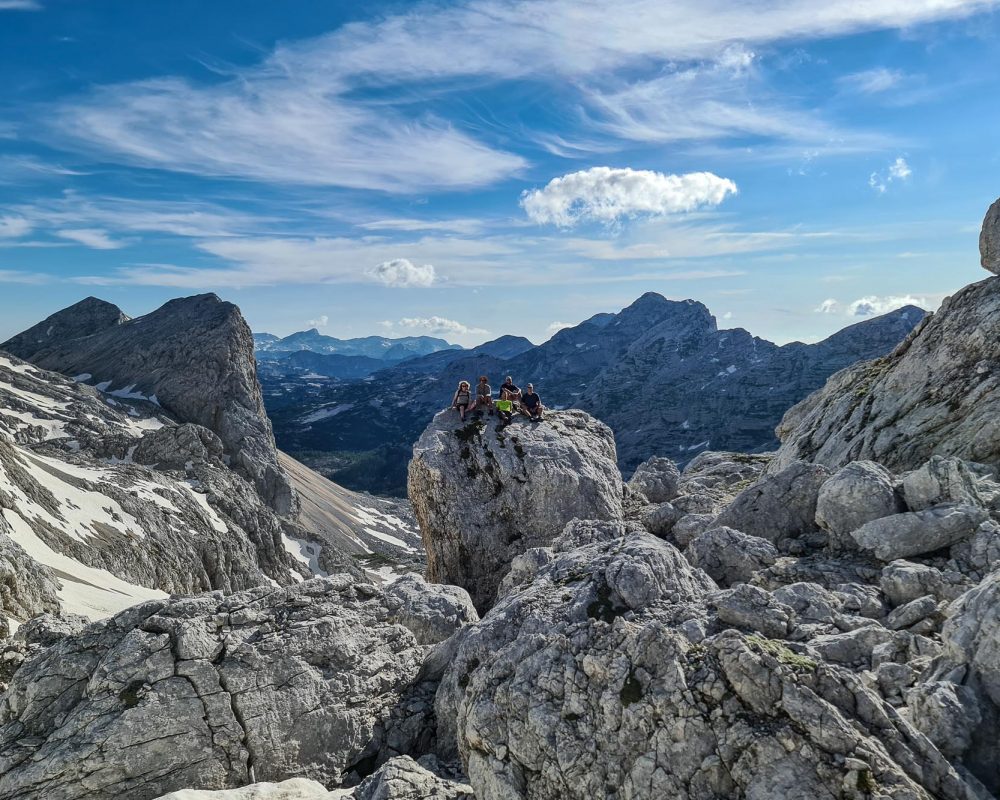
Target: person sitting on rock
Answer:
[[531, 403], [484, 395], [510, 391], [462, 399], [505, 409]]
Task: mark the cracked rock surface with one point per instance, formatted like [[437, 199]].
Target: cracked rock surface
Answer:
[[484, 493], [214, 692]]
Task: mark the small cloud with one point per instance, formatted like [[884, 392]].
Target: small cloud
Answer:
[[90, 237], [828, 306], [558, 326], [873, 81], [728, 315], [872, 305], [322, 322], [13, 227], [439, 326], [898, 170], [607, 195], [401, 273], [20, 5], [387, 324]]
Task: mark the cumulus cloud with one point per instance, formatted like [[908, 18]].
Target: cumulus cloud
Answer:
[[13, 227], [898, 170], [558, 326], [402, 273], [322, 322], [872, 305], [606, 194], [439, 326], [828, 306], [90, 237]]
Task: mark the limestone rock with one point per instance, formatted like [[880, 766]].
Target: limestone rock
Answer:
[[483, 494], [937, 393], [660, 519], [292, 789], [210, 691], [730, 556], [178, 447], [913, 533], [856, 494], [753, 609], [780, 506], [989, 240], [943, 480], [431, 612], [402, 778], [945, 713], [577, 682], [903, 581], [657, 479], [194, 357]]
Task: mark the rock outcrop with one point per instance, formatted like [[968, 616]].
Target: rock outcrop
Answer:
[[989, 240], [213, 692], [605, 670], [937, 393], [86, 318], [483, 492], [193, 357]]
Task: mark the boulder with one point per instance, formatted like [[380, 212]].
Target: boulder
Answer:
[[856, 494], [943, 480], [292, 789], [431, 613], [213, 691], [730, 556], [989, 240], [917, 532], [178, 447], [484, 493], [660, 519], [903, 581], [606, 674], [656, 479], [753, 609], [946, 713], [779, 506], [402, 778]]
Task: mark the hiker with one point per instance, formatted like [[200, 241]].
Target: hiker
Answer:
[[505, 410], [462, 399], [484, 395], [509, 390], [531, 403]]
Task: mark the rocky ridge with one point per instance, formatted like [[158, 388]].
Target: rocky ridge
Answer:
[[193, 357]]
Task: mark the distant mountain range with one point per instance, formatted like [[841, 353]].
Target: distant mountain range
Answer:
[[268, 346], [659, 372]]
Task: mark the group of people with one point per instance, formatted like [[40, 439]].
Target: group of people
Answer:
[[512, 400]]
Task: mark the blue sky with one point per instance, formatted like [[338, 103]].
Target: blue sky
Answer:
[[474, 169]]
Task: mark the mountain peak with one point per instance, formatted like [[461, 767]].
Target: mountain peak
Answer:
[[84, 318]]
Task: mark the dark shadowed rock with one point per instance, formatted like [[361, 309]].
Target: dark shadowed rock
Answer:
[[79, 320], [989, 240]]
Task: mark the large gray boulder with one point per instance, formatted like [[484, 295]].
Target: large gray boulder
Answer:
[[918, 532], [856, 494], [603, 673], [656, 479], [730, 556], [213, 692], [989, 240], [484, 493], [779, 506]]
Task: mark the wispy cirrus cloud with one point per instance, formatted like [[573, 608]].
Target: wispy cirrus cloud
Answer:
[[93, 238], [656, 72], [20, 5]]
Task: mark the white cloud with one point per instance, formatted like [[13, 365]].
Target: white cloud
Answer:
[[401, 273], [20, 5], [873, 81], [558, 326], [873, 305], [14, 227], [90, 237], [322, 322], [728, 315], [828, 306], [439, 326], [898, 170], [604, 194], [463, 226]]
